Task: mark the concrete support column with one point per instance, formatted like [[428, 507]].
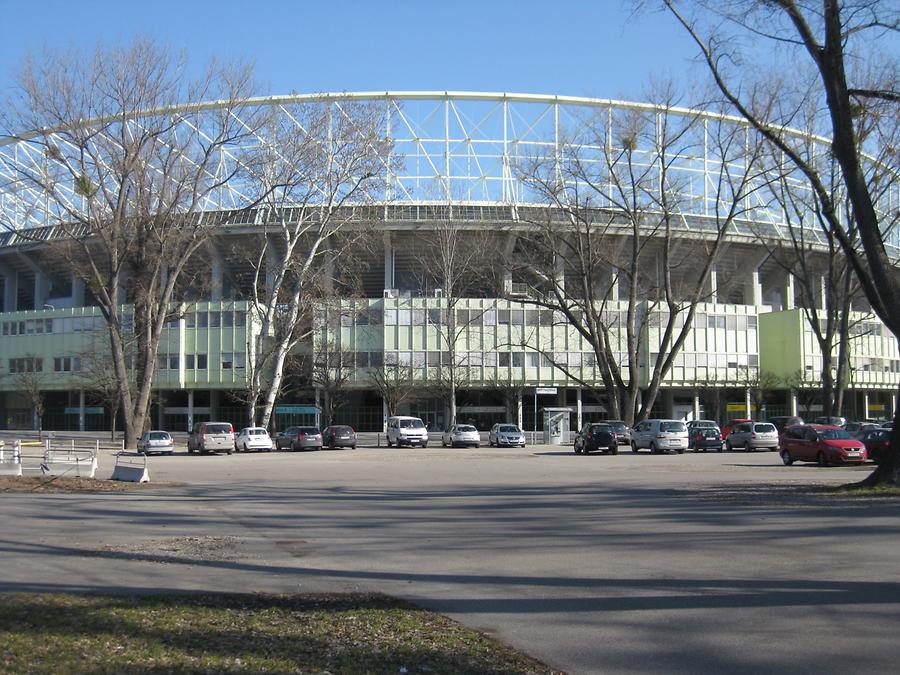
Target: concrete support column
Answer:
[[318, 406], [756, 292], [160, 411], [81, 410], [507, 282], [329, 270], [893, 405], [614, 286], [713, 284], [748, 402], [78, 291], [793, 403], [388, 261], [216, 279], [384, 411], [696, 405], [578, 415], [789, 292], [10, 289], [41, 289], [190, 409], [519, 408], [823, 292], [865, 404], [214, 404], [559, 270]]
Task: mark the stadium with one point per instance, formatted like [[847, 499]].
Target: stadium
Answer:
[[521, 176]]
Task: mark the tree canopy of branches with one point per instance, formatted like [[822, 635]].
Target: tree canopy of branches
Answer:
[[606, 256], [854, 85], [126, 180]]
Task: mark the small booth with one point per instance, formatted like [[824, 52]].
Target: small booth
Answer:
[[556, 426]]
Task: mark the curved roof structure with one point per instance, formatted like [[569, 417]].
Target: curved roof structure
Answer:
[[469, 152]]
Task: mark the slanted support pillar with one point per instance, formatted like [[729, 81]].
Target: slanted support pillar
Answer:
[[41, 289], [696, 405], [81, 410], [79, 297], [713, 284], [748, 403], [190, 409], [756, 294], [519, 417], [216, 276], [10, 288], [793, 402]]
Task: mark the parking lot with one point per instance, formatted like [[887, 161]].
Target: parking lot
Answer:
[[707, 562]]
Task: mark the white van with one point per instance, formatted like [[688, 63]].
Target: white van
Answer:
[[660, 436], [406, 431]]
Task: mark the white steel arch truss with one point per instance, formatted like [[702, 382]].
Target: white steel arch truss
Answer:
[[453, 148]]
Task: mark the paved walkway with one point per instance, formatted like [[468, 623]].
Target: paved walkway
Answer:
[[656, 564]]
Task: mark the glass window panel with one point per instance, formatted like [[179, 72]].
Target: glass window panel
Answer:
[[215, 319], [201, 361], [518, 359]]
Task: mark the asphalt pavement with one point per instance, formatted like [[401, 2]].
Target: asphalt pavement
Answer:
[[700, 563]]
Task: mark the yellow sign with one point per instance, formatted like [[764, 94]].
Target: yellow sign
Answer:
[[739, 407]]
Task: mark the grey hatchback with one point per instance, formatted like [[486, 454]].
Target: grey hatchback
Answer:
[[295, 438]]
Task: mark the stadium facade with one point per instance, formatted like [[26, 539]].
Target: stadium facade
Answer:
[[457, 159]]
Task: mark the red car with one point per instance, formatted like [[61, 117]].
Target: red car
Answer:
[[821, 443], [877, 442], [728, 428]]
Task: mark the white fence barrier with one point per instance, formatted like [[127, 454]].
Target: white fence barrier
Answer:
[[69, 461], [10, 460], [131, 468]]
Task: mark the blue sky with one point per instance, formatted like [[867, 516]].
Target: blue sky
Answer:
[[567, 47]]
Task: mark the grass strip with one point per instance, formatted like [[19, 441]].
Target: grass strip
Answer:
[[241, 633]]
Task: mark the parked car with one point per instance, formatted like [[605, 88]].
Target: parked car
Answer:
[[156, 441], [858, 429], [339, 436], [623, 431], [831, 421], [705, 438], [253, 438], [506, 434], [659, 436], [211, 437], [877, 442], [404, 430], [782, 422], [597, 436], [753, 436], [297, 438], [728, 428], [824, 444], [461, 435]]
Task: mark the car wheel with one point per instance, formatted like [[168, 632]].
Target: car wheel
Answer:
[[576, 448], [331, 444], [728, 446], [748, 447], [680, 451], [634, 447], [821, 459], [653, 449], [390, 444], [425, 444], [615, 450], [786, 458]]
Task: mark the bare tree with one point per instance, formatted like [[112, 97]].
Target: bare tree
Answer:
[[395, 385], [607, 256], [126, 179], [327, 161], [859, 118], [98, 377], [456, 264], [30, 381]]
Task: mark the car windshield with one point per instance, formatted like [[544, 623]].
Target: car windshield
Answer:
[[308, 430], [256, 432], [704, 424], [764, 428], [601, 428], [672, 426], [412, 424], [217, 429], [707, 432], [618, 426], [879, 435], [834, 435], [159, 436], [465, 428], [508, 429], [341, 430]]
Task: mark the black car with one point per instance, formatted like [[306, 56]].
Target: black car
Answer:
[[597, 437]]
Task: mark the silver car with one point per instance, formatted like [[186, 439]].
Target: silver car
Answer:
[[211, 436], [461, 434], [752, 436], [156, 441], [506, 435]]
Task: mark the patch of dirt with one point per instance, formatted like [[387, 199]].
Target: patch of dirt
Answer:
[[176, 549], [63, 484]]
